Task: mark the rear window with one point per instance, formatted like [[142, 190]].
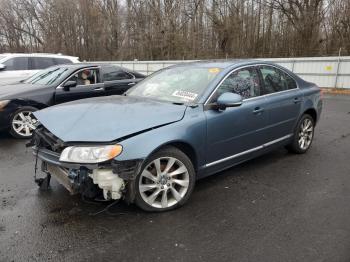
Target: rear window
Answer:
[[60, 61], [137, 75], [112, 73], [41, 62]]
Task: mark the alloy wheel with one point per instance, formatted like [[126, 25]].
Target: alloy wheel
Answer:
[[23, 123], [306, 133], [164, 182]]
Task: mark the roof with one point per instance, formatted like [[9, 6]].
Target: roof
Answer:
[[38, 55], [6, 56], [220, 63], [87, 64]]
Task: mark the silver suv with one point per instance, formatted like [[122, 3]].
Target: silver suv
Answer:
[[16, 67]]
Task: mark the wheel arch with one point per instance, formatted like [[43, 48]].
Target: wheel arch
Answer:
[[183, 146], [25, 102], [313, 113]]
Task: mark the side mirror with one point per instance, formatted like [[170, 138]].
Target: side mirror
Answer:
[[2, 67], [68, 85], [228, 100]]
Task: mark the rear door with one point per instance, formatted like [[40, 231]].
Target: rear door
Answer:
[[88, 85], [117, 80], [284, 101], [17, 68], [234, 133]]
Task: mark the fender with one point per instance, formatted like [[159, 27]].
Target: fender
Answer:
[[193, 135], [312, 101], [28, 102], [13, 106]]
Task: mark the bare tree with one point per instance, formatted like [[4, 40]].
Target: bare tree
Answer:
[[175, 29]]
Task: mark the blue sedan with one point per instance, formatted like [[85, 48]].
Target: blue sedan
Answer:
[[178, 125]]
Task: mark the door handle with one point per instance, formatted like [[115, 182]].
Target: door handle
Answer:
[[296, 100], [98, 89], [258, 110], [131, 84]]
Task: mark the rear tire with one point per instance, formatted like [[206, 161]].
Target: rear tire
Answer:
[[165, 181], [22, 122], [303, 135]]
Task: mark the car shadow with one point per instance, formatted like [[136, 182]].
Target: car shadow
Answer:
[[240, 176], [236, 188], [4, 135], [236, 178], [249, 165]]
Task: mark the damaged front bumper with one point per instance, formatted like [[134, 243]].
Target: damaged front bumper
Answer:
[[109, 179], [75, 181]]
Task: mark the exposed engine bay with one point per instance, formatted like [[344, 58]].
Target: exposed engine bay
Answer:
[[85, 181], [103, 181]]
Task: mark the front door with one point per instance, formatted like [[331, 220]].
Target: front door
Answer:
[[88, 85], [234, 133]]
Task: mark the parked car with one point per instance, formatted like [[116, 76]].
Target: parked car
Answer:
[[16, 67], [178, 125], [56, 85]]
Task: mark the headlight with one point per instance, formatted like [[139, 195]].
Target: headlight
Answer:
[[3, 103], [90, 154]]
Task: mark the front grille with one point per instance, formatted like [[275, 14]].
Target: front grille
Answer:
[[43, 138]]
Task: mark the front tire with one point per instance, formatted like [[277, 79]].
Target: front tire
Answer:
[[165, 182], [303, 135], [22, 122]]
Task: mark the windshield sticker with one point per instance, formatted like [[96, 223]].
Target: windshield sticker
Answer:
[[185, 94], [214, 70]]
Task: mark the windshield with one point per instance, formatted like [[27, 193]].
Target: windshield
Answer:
[[48, 76], [178, 84]]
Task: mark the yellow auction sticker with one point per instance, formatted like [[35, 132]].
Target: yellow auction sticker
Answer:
[[328, 68], [214, 70]]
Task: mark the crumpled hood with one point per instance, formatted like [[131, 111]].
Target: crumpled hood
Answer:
[[106, 119]]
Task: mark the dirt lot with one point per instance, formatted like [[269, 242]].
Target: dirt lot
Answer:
[[279, 207]]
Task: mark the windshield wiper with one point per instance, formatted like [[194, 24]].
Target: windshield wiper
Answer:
[[40, 77], [178, 103], [58, 76]]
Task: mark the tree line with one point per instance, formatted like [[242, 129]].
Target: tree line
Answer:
[[176, 29]]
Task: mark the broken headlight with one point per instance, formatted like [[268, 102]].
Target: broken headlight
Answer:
[[90, 154]]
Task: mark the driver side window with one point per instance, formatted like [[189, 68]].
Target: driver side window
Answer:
[[244, 82], [86, 77]]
